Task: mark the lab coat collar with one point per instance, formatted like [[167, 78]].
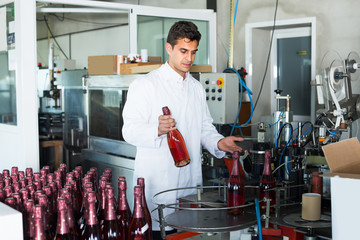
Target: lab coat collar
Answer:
[[173, 75]]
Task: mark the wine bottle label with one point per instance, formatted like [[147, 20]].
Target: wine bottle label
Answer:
[[144, 228]]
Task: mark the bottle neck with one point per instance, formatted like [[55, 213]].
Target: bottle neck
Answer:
[[122, 200], [91, 218], [39, 229], [138, 212], [110, 209], [267, 164], [62, 223], [235, 169], [71, 217]]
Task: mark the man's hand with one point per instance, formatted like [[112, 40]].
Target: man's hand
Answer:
[[166, 124], [228, 144]]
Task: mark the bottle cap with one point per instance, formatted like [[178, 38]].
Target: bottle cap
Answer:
[[36, 176], [166, 110], [91, 197], [28, 205], [141, 181], [61, 204], [37, 212], [109, 192], [43, 200], [29, 171], [14, 170], [122, 185], [68, 198], [50, 177], [236, 154]]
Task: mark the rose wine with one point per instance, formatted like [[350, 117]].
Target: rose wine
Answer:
[[62, 230], [74, 229], [38, 216], [138, 229], [92, 229], [267, 182], [177, 145], [123, 213], [141, 183], [110, 229], [235, 187]]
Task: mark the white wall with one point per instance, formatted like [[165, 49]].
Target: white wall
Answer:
[[336, 23], [84, 44]]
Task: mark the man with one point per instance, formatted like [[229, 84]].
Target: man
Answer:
[[146, 127]]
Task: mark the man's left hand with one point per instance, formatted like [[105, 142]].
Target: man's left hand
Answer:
[[228, 144]]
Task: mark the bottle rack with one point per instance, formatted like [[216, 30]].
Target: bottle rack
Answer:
[[203, 212]]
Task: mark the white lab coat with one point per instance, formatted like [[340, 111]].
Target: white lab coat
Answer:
[[186, 101]]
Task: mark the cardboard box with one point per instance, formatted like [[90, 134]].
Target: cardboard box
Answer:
[[103, 65], [343, 159], [113, 64], [201, 68]]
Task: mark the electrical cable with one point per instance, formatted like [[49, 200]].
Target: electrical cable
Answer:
[[258, 218], [48, 27], [242, 84], [236, 7], [289, 143], [278, 136], [268, 57], [281, 114]]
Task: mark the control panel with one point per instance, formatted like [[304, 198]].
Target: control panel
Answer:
[[222, 95]]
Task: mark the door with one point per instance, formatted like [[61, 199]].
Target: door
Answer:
[[291, 68], [294, 72]]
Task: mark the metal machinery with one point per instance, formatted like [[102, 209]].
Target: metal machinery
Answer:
[[297, 155], [62, 116], [106, 96], [296, 147]]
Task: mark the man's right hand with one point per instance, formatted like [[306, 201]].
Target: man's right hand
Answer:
[[166, 124]]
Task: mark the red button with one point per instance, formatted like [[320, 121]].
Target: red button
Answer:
[[218, 82]]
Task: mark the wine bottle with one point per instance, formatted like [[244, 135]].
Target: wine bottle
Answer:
[[110, 228], [38, 216], [177, 145], [138, 228], [28, 172], [123, 212], [92, 229], [49, 221], [14, 170], [6, 173], [62, 230], [29, 224], [141, 183], [101, 206], [8, 191], [235, 187], [18, 201], [74, 230], [77, 199], [16, 187], [43, 172], [83, 209], [267, 182], [2, 196], [11, 202], [21, 174]]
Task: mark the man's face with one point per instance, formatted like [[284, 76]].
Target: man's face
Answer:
[[182, 56]]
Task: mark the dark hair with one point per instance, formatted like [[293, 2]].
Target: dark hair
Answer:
[[183, 29]]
